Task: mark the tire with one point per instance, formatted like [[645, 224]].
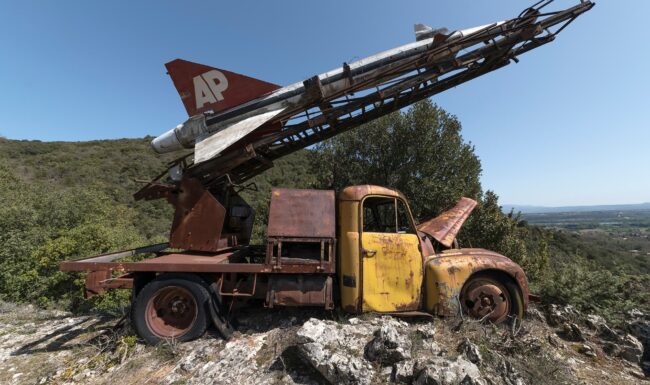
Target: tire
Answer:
[[492, 297], [171, 307]]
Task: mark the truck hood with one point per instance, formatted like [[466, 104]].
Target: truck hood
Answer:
[[446, 226]]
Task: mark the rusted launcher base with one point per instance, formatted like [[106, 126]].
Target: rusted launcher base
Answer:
[[296, 268], [288, 284]]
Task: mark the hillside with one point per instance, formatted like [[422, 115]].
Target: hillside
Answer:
[[114, 167]]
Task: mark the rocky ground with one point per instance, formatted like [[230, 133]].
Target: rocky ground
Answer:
[[556, 345]]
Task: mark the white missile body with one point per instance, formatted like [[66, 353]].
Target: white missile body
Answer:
[[229, 111], [195, 130]]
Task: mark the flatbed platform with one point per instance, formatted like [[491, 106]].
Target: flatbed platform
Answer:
[[223, 261]]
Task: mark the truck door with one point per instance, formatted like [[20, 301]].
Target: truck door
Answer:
[[391, 259]]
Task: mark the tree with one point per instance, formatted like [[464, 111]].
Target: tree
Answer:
[[422, 153]]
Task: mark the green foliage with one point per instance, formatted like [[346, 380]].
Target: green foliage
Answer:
[[591, 288], [71, 200], [40, 228]]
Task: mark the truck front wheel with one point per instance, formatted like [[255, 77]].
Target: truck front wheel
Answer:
[[492, 298], [171, 307]]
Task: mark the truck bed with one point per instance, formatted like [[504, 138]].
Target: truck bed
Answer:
[[232, 260]]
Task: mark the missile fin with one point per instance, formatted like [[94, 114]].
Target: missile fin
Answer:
[[214, 144], [203, 88], [423, 31]]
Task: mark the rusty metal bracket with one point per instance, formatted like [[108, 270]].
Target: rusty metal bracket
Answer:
[[235, 292]]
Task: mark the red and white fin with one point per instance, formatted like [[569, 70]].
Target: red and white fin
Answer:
[[204, 88]]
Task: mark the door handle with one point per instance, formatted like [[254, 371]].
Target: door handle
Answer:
[[369, 253]]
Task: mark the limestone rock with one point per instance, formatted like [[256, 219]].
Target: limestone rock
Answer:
[[403, 372], [610, 348], [509, 374], [389, 345], [440, 371], [571, 332], [558, 315], [595, 322], [426, 331], [470, 351], [587, 350], [607, 334], [631, 349], [329, 349], [535, 314]]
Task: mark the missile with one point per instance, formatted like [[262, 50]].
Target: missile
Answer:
[[238, 124]]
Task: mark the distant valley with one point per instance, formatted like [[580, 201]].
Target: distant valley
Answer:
[[529, 209]]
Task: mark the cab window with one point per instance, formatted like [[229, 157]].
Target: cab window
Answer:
[[404, 225], [386, 215]]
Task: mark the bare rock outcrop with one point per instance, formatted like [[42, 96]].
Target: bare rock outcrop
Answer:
[[389, 346], [336, 351], [300, 347], [442, 371]]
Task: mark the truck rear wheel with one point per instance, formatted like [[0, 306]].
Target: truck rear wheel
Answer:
[[171, 307], [492, 298]]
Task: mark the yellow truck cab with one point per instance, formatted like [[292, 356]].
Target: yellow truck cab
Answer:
[[388, 262], [362, 252]]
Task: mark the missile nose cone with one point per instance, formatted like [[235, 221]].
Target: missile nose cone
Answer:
[[166, 142]]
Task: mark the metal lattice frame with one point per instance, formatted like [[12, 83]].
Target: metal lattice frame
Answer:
[[443, 66]]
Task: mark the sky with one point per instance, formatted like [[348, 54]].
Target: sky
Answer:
[[568, 125]]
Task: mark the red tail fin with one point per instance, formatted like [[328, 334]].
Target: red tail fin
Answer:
[[205, 88]]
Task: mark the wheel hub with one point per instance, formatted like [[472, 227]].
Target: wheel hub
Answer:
[[171, 312], [487, 301], [178, 307]]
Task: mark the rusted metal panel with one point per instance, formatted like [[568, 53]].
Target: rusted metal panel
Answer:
[[425, 244], [198, 219], [109, 257], [300, 290], [191, 263], [93, 282], [302, 213], [446, 226], [357, 193], [446, 273], [124, 281], [301, 251], [349, 267]]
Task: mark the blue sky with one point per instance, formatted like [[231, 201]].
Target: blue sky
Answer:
[[568, 125]]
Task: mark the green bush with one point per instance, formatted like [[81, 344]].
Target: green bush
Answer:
[[591, 288], [40, 227]]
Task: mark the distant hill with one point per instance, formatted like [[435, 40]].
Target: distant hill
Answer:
[[527, 209]]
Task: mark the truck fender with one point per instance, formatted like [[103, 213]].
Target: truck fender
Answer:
[[447, 272]]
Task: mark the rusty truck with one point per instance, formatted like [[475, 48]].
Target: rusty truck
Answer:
[[362, 251], [359, 250]]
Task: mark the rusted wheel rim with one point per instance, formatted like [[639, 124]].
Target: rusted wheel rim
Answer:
[[487, 299], [171, 312]]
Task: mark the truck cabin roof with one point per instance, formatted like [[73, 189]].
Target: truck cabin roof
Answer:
[[357, 193]]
